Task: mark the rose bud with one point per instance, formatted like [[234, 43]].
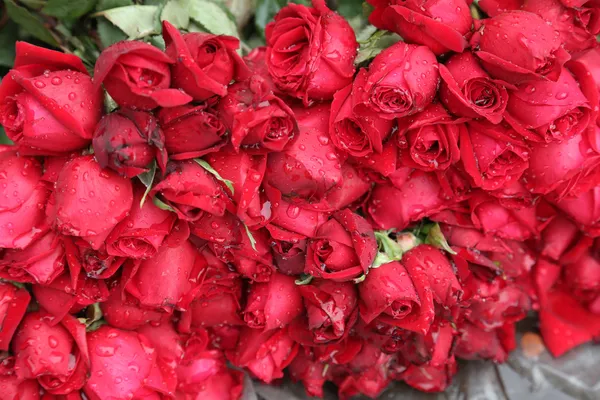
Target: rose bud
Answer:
[[584, 210], [124, 364], [127, 141], [309, 166], [97, 264], [476, 344], [40, 262], [491, 155], [401, 80], [273, 304], [192, 131], [89, 201], [179, 266], [546, 111], [205, 64], [356, 132], [421, 194], [429, 140], [49, 104], [440, 25], [191, 191], [259, 121], [57, 354], [331, 309], [23, 198], [264, 353], [124, 311], [136, 75], [539, 54], [13, 305], [142, 232], [289, 250], [301, 63], [14, 388], [468, 91], [343, 248]]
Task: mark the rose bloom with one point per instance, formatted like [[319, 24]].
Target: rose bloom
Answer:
[[13, 305]]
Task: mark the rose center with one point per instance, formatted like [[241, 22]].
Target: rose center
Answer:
[[278, 128], [562, 128], [391, 99], [351, 137], [12, 115], [144, 78]]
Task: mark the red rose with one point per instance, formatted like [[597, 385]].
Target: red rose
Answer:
[[137, 76], [583, 275], [476, 344], [289, 250], [440, 25], [81, 257], [349, 192], [224, 229], [548, 111], [400, 81], [13, 305], [491, 155], [205, 64], [124, 364], [23, 196], [584, 210], [308, 370], [509, 305], [343, 248], [273, 304], [89, 201], [309, 167], [127, 141], [356, 132], [192, 131], [557, 236], [191, 191], [14, 388], [264, 353], [259, 121], [122, 310], [40, 262], [331, 309], [471, 238], [57, 355], [177, 266], [368, 374], [429, 140], [518, 46], [48, 102], [468, 91], [301, 61]]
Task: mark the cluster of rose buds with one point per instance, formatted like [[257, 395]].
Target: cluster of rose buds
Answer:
[[291, 214]]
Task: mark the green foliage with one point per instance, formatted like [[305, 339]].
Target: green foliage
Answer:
[[68, 9], [212, 17], [3, 138], [8, 37], [30, 23]]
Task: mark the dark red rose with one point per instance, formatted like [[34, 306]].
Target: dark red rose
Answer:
[[178, 267], [96, 264], [205, 64], [127, 141], [124, 311], [358, 132], [476, 344], [24, 197], [142, 232], [309, 167], [519, 46], [49, 104], [124, 364], [273, 304], [311, 372], [468, 91], [331, 309], [429, 140], [440, 25], [14, 388], [584, 210], [259, 121], [264, 353], [546, 111], [192, 131], [400, 81], [191, 191], [491, 155], [89, 201], [343, 248], [13, 305], [40, 262], [301, 62], [136, 75], [55, 354], [289, 250]]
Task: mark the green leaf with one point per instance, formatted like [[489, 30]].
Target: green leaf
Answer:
[[350, 8], [436, 238], [250, 236], [33, 4], [160, 204], [177, 12], [375, 44], [265, 11], [147, 178], [135, 21], [211, 170], [212, 17], [8, 37], [304, 279], [360, 279], [3, 138], [30, 23], [109, 34], [108, 4], [68, 9], [388, 245]]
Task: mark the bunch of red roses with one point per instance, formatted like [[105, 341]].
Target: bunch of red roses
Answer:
[[289, 211]]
